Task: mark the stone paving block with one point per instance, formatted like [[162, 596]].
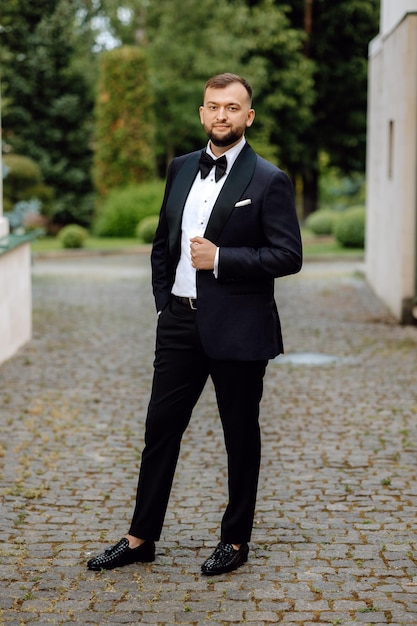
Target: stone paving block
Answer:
[[264, 617], [297, 617], [229, 615], [314, 605], [335, 530], [372, 618]]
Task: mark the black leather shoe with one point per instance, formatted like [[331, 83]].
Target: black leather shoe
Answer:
[[225, 559], [121, 554]]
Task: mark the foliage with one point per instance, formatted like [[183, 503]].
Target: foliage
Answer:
[[123, 209], [338, 191], [21, 172], [350, 228], [146, 228], [21, 210], [285, 95], [34, 221], [72, 236], [322, 222], [309, 85], [337, 43], [188, 41], [23, 181], [124, 121], [47, 104]]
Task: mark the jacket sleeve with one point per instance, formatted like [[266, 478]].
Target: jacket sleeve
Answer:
[[162, 266]]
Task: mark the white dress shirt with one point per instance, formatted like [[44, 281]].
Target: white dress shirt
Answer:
[[197, 210]]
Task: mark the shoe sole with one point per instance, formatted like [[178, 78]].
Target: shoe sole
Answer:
[[225, 571], [100, 568]]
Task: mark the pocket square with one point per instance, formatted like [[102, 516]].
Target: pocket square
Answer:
[[243, 202]]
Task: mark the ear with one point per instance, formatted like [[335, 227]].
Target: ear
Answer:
[[250, 118], [201, 111]]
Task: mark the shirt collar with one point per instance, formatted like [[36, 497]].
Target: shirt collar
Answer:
[[231, 154]]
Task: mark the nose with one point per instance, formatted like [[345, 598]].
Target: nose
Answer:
[[221, 113]]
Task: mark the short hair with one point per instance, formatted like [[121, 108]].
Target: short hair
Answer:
[[220, 81]]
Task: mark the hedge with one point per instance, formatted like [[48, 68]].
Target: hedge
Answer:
[[350, 227], [123, 209], [72, 236], [125, 126], [322, 222]]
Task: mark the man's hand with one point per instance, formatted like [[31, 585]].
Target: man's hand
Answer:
[[203, 253]]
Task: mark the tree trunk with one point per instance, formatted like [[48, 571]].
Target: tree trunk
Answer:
[[310, 192]]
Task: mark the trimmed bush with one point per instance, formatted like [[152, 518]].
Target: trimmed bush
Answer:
[[20, 171], [72, 236], [125, 123], [322, 222], [146, 228], [23, 181], [123, 209], [350, 228]]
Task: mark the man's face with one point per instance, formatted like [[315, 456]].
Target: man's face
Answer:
[[225, 115]]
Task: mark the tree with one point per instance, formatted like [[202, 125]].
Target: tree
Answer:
[[338, 34], [124, 136], [48, 103], [286, 96], [188, 41]]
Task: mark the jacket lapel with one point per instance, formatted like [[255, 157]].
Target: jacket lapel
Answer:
[[238, 179], [176, 200]]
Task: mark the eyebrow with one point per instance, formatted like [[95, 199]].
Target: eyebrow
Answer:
[[228, 104]]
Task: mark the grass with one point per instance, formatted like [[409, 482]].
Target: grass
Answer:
[[313, 245], [325, 245], [52, 244]]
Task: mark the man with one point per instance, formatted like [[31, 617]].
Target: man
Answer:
[[227, 228]]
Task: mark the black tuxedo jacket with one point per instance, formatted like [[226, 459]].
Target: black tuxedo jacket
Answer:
[[254, 223]]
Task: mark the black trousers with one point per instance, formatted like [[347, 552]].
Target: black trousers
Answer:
[[181, 370]]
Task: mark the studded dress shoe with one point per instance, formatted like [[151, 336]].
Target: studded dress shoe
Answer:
[[120, 554], [225, 559]]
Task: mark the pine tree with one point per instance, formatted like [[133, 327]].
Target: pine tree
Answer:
[[47, 103]]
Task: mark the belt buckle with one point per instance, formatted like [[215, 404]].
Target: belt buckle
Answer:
[[190, 302]]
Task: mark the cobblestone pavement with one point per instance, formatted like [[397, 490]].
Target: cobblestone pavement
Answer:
[[335, 533]]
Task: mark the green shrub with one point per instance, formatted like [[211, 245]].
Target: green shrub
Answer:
[[23, 180], [21, 168], [21, 211], [123, 209], [322, 222], [72, 236], [146, 228], [350, 227], [125, 122], [34, 221]]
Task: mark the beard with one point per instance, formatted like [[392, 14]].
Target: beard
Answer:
[[222, 141]]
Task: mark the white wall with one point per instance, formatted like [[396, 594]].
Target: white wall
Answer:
[[392, 12], [392, 164], [15, 300], [15, 289]]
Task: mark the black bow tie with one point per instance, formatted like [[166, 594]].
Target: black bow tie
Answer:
[[206, 164]]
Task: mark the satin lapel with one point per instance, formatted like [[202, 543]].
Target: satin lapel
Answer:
[[238, 179], [176, 200]]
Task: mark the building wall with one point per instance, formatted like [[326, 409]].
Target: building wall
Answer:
[[392, 12], [15, 288], [392, 166], [15, 300]]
